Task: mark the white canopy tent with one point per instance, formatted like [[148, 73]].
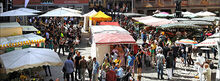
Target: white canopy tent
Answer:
[[28, 10], [20, 39], [16, 13], [216, 35], [29, 28], [29, 58], [88, 22], [107, 29], [105, 35], [205, 14], [132, 14], [62, 12], [209, 42], [9, 24]]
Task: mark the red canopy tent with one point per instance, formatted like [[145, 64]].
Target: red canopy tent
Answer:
[[109, 23], [113, 38]]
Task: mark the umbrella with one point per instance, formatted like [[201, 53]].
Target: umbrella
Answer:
[[62, 12], [209, 42], [186, 42], [16, 13], [204, 14], [28, 10], [179, 25], [29, 58], [187, 13]]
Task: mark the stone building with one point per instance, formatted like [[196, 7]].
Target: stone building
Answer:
[[149, 6]]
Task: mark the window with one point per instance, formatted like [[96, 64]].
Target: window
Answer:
[[46, 1]]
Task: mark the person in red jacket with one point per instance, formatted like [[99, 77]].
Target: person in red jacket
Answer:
[[110, 75]]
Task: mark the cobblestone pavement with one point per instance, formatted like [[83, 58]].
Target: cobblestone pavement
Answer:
[[148, 73]]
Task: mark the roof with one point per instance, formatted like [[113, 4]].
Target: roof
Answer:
[[29, 28], [113, 38], [100, 16], [110, 23], [107, 29], [93, 12], [10, 25]]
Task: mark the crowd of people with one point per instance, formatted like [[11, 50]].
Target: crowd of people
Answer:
[[60, 33], [158, 50]]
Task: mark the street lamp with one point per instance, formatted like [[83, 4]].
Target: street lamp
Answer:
[[178, 8]]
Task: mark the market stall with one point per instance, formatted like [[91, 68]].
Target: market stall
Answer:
[[104, 36], [29, 29], [20, 40], [10, 29], [110, 23], [100, 16], [152, 21], [205, 14], [29, 58], [62, 12], [107, 29], [88, 22], [16, 13]]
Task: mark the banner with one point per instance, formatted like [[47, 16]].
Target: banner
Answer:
[[26, 3]]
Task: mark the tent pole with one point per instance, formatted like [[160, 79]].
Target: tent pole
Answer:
[[218, 69]]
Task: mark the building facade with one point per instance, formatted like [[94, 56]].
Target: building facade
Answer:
[[108, 5], [149, 6], [45, 5]]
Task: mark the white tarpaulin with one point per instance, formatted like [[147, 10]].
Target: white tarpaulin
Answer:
[[88, 22], [216, 35], [28, 10], [16, 13], [29, 58], [20, 40], [62, 12], [107, 29], [209, 42], [204, 14], [9, 24], [29, 28], [99, 51]]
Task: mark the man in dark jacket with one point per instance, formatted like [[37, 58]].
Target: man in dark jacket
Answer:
[[169, 64]]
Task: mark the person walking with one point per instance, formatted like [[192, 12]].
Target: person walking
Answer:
[[110, 75], [83, 65], [76, 62], [61, 45], [139, 62], [95, 70], [68, 68], [169, 65], [160, 61], [126, 50], [207, 72], [131, 61], [199, 62], [90, 67]]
